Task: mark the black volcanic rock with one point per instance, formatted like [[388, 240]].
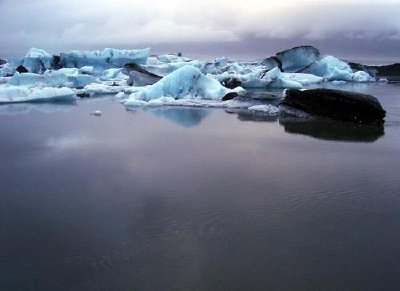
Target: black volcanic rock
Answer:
[[2, 62], [337, 105], [139, 76], [390, 72], [231, 83], [230, 96], [21, 69]]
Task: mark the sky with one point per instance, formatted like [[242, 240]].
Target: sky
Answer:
[[245, 29]]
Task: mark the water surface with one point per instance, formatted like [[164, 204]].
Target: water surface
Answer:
[[196, 199]]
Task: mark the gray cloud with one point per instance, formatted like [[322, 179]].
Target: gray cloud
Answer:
[[66, 24]]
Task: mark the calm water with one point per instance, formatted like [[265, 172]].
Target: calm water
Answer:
[[196, 199]]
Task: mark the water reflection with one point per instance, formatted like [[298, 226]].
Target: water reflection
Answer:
[[330, 130], [246, 115], [186, 117], [23, 108]]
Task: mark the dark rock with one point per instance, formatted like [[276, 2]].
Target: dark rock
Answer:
[[360, 67], [179, 54], [390, 72], [231, 83], [83, 94], [56, 62], [2, 62], [248, 94], [230, 96], [139, 76], [334, 130], [21, 69], [297, 58], [335, 104]]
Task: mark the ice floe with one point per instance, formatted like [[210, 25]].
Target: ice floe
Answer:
[[15, 94]]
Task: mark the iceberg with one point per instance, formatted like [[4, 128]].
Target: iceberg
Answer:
[[16, 94], [293, 60], [102, 89], [60, 78], [333, 69], [105, 59], [185, 83]]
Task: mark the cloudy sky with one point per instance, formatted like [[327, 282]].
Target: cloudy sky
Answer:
[[243, 28]]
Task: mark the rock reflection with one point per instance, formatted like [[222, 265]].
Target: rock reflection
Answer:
[[331, 130]]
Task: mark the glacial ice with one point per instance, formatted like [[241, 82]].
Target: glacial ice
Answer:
[[333, 69], [61, 78], [105, 59], [186, 82], [15, 94], [297, 58]]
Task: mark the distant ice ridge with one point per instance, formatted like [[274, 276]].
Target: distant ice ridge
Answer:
[[194, 81], [16, 94], [102, 60]]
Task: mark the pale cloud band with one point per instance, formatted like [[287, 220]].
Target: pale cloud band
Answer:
[[138, 23]]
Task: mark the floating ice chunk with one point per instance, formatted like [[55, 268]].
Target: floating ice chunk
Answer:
[[169, 101], [63, 77], [165, 69], [287, 84], [266, 108], [383, 80], [331, 68], [102, 89], [187, 82], [114, 74], [276, 79], [96, 113], [362, 77], [14, 94], [304, 79], [120, 95], [89, 70]]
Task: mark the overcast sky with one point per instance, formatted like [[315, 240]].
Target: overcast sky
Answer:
[[243, 28]]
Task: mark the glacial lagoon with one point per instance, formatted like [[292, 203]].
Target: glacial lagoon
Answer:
[[176, 198]]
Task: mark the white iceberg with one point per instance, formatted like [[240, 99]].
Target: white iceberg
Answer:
[[16, 94], [333, 69], [185, 83], [68, 77]]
